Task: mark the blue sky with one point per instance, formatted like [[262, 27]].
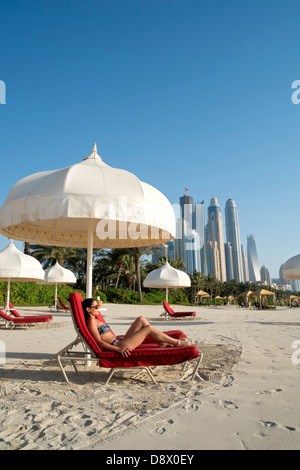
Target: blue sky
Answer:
[[180, 92]]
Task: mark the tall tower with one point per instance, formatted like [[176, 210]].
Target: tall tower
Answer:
[[199, 226], [215, 233], [265, 275], [233, 237], [254, 271], [187, 207]]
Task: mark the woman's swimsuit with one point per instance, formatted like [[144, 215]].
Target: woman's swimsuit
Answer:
[[104, 328]]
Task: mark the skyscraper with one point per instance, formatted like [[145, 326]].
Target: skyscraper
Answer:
[[187, 207], [229, 261], [233, 237], [254, 272], [192, 252], [215, 233], [265, 275], [199, 226]]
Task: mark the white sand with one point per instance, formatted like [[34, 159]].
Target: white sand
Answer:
[[250, 399]]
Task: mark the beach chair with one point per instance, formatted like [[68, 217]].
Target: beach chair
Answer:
[[14, 312], [58, 307], [171, 314], [27, 320], [144, 356], [63, 305]]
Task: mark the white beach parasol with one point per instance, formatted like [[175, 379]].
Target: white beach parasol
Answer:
[[16, 266], [167, 277], [291, 268], [88, 205], [57, 274]]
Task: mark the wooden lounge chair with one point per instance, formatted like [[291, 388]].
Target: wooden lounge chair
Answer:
[[14, 312], [27, 320], [145, 356], [63, 305], [171, 314]]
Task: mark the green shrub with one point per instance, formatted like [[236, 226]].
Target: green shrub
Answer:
[[31, 293]]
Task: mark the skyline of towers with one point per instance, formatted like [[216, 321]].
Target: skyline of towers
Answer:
[[203, 247]]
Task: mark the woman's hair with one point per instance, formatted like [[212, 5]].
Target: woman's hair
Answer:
[[87, 304]]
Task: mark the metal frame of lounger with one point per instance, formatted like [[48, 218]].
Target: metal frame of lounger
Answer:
[[81, 356], [87, 356]]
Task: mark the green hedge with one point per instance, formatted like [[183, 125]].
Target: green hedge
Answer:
[[31, 293]]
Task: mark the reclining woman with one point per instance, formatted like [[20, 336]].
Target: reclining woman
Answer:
[[137, 333]]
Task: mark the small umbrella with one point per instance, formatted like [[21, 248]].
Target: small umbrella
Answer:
[[16, 266], [57, 274], [167, 277]]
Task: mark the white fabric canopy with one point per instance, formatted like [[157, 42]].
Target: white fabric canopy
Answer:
[[291, 268], [88, 205], [57, 274], [167, 277], [53, 208], [17, 266]]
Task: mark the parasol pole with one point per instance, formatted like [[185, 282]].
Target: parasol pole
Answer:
[[55, 298], [167, 292], [8, 295], [89, 269]]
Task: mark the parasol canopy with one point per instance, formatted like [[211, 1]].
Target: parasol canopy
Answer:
[[17, 266], [167, 277], [291, 268], [88, 205], [57, 274]]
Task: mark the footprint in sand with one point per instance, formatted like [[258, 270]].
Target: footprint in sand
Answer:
[[274, 390], [227, 404], [272, 424], [161, 427]]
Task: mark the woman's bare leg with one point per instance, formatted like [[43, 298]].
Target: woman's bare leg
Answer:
[[139, 323], [136, 338]]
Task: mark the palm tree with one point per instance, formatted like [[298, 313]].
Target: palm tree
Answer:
[[48, 255]]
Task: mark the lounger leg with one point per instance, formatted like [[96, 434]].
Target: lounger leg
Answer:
[[111, 373], [197, 367], [151, 375], [62, 369]]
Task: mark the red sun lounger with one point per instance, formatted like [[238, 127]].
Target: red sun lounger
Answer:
[[12, 321], [14, 312], [170, 312], [144, 357], [63, 305]]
